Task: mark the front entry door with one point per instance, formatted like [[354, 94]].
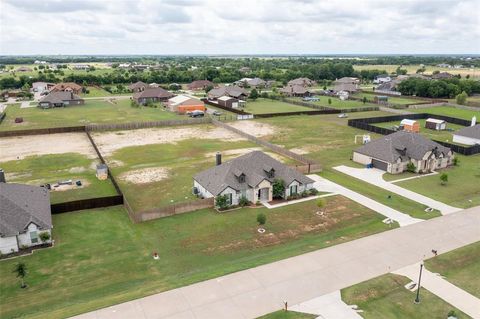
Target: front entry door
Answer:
[[263, 194]]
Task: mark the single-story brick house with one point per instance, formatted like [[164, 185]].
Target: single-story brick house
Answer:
[[232, 91], [468, 135], [250, 176], [60, 99], [295, 90], [393, 152], [152, 95], [24, 214], [138, 87], [301, 81], [200, 85], [182, 104], [67, 87]]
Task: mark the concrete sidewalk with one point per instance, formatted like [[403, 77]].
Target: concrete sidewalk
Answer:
[[374, 177], [452, 294], [325, 185], [261, 290], [329, 306]]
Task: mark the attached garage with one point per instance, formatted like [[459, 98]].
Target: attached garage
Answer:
[[379, 164]]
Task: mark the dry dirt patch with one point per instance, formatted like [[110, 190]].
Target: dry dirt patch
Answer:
[[19, 147], [145, 175], [109, 142], [255, 128]]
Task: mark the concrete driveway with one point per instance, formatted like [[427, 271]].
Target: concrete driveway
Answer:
[[374, 177], [257, 291], [325, 185]]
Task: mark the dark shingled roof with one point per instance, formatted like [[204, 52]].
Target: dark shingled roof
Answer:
[[301, 81], [21, 205], [233, 91], [137, 85], [404, 145], [471, 131], [59, 97], [254, 165], [199, 84], [153, 92]]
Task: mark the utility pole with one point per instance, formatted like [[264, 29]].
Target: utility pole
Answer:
[[417, 299]]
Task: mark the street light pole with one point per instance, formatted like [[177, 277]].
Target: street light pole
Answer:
[[417, 299]]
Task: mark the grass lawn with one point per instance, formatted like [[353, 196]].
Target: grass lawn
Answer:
[[391, 99], [393, 177], [281, 314], [93, 112], [339, 104], [431, 134], [262, 106], [95, 92], [462, 189], [461, 267], [100, 258], [449, 111], [386, 297], [38, 170], [180, 161]]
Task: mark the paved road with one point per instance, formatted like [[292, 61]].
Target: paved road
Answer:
[[323, 185], [374, 177], [261, 290]]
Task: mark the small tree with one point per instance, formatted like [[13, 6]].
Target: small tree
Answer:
[[254, 94], [321, 203], [222, 202], [324, 87], [44, 236], [461, 98], [444, 179], [456, 161], [21, 271], [208, 88], [278, 188], [261, 219], [411, 167], [329, 101], [364, 100]]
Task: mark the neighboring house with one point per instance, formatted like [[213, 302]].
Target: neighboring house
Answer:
[[152, 95], [228, 101], [444, 65], [410, 125], [81, 67], [200, 85], [182, 104], [245, 69], [442, 75], [468, 135], [383, 78], [347, 87], [393, 152], [60, 99], [67, 87], [343, 95], [138, 86], [232, 91], [41, 87], [250, 176], [434, 124], [295, 90], [24, 214], [253, 83], [301, 81], [5, 94]]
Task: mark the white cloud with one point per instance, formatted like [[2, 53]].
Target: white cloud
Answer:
[[238, 27]]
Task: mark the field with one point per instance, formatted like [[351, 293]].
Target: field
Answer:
[[93, 112], [445, 135], [391, 99], [386, 297], [155, 167], [281, 314], [411, 69], [100, 258], [261, 106], [460, 267], [462, 189], [339, 104], [41, 159], [449, 111]]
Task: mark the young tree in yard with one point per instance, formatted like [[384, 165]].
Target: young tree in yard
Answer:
[[461, 98], [222, 202], [278, 188], [320, 203], [253, 94], [261, 219], [364, 100], [456, 161], [329, 101], [444, 179], [21, 271]]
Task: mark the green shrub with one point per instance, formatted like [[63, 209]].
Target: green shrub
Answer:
[[313, 191], [243, 201], [221, 201], [261, 219], [44, 236], [461, 98], [444, 178], [411, 167], [456, 161], [278, 188], [304, 194]]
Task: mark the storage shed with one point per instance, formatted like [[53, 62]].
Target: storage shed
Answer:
[[435, 124], [410, 125]]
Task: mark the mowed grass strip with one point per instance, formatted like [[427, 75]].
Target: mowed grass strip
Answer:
[[262, 106], [444, 135], [281, 314], [461, 267], [462, 189], [449, 111], [42, 169], [100, 258], [93, 112], [386, 297]]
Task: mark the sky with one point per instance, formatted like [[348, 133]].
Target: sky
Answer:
[[79, 27]]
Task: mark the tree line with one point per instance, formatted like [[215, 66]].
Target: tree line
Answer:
[[445, 88]]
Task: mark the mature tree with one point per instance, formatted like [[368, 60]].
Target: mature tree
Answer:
[[461, 98], [253, 94], [21, 271]]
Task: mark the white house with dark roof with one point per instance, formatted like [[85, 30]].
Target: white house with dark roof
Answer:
[[24, 214], [250, 176], [468, 135], [393, 152]]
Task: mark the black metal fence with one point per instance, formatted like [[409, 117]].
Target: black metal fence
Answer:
[[365, 124]]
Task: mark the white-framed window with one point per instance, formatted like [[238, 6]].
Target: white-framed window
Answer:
[[229, 198], [34, 237], [293, 189]]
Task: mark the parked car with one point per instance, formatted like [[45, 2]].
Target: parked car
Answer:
[[217, 113], [197, 114], [342, 115]]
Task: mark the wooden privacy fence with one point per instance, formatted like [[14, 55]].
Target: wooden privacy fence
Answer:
[[39, 131], [174, 209], [140, 125], [326, 109], [308, 168], [88, 203], [229, 109]]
